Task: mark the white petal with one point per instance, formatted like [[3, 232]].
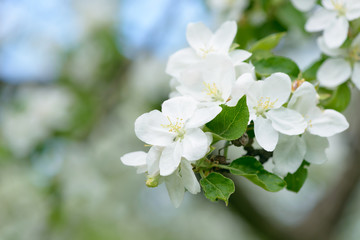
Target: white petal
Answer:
[[180, 61], [170, 159], [303, 5], [198, 35], [134, 159], [277, 89], [188, 177], [179, 107], [333, 52], [328, 4], [241, 87], [288, 154], [238, 56], [336, 33], [175, 188], [195, 144], [254, 93], [329, 123], [265, 134], [287, 121], [153, 160], [353, 9], [333, 72], [149, 129], [243, 68], [203, 115], [319, 20], [356, 42], [356, 75], [303, 97], [224, 36], [315, 148]]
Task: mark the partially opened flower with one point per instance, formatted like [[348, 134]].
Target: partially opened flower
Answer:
[[176, 183], [265, 101], [343, 64], [333, 18], [177, 130], [292, 150], [204, 43]]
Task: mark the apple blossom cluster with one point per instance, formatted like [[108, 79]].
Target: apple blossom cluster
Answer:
[[217, 96], [338, 41]]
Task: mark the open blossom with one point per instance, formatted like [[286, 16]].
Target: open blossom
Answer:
[[333, 18], [265, 99], [204, 43], [176, 183], [177, 130], [343, 64], [292, 150]]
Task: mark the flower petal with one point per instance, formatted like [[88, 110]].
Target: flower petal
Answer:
[[336, 33], [319, 20], [303, 5], [329, 123], [175, 188], [333, 72], [153, 160], [356, 75], [149, 129], [277, 89], [134, 159], [188, 177], [180, 61], [238, 56], [353, 10], [224, 36], [265, 134], [240, 88], [315, 148], [198, 35], [287, 121], [303, 97], [182, 107], [203, 115], [194, 144], [288, 154], [170, 159], [333, 52]]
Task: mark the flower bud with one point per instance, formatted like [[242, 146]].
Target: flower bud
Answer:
[[152, 181]]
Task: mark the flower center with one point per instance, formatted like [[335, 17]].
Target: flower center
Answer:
[[212, 91], [176, 127], [339, 7], [263, 106], [354, 53], [205, 51]]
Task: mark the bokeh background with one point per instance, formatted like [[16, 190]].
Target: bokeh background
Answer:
[[74, 76]]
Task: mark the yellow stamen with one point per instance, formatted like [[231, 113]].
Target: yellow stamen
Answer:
[[213, 91]]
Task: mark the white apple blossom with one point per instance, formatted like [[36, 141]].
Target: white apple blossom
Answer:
[[333, 18], [177, 130], [265, 101], [176, 183], [303, 5], [292, 150], [204, 43], [343, 64]]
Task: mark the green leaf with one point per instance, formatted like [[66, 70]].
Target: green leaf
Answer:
[[231, 122], [268, 43], [268, 66], [290, 17], [296, 180], [216, 186], [310, 73], [252, 169], [340, 98]]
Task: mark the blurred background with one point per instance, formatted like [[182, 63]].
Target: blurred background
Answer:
[[74, 76]]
